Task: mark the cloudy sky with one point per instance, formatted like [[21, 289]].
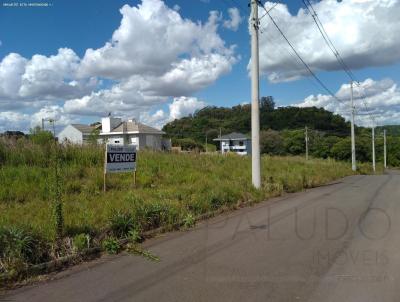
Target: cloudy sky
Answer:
[[156, 60]]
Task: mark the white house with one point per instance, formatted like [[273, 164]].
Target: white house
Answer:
[[76, 134], [115, 131], [235, 142], [131, 132]]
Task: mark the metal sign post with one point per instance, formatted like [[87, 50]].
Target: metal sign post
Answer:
[[119, 159]]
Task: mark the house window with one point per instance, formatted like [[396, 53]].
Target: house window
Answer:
[[241, 143]]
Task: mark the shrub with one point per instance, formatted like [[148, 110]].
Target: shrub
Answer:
[[19, 247], [81, 242], [189, 220], [111, 245], [121, 223], [134, 236]]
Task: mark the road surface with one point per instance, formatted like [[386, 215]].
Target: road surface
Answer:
[[339, 242]]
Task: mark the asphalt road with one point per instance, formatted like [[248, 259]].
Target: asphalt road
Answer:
[[339, 242]]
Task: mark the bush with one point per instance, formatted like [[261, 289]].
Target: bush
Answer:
[[81, 242], [187, 144], [41, 137], [189, 220], [111, 245], [19, 248], [121, 223], [271, 142]]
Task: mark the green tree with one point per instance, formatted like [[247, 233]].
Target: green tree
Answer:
[[267, 103], [40, 137], [271, 142], [94, 136], [342, 149], [294, 141]]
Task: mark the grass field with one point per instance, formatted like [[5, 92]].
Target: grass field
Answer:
[[171, 188]]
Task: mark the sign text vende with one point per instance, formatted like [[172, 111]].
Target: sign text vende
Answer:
[[121, 157]]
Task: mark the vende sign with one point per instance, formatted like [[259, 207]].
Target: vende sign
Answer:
[[120, 159]]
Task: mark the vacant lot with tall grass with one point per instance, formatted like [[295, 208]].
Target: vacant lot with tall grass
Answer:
[[171, 189]]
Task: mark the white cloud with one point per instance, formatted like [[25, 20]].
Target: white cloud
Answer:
[[381, 97], [364, 32], [155, 55], [157, 120], [13, 121], [180, 107], [12, 68], [122, 99], [51, 112], [235, 19], [41, 78], [150, 38], [54, 77], [184, 106]]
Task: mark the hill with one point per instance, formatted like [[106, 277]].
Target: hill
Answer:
[[211, 120]]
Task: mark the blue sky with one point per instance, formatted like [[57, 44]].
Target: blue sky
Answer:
[[80, 25]]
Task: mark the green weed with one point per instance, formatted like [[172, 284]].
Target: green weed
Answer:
[[111, 245]]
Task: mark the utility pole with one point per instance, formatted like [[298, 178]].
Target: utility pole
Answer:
[[373, 148], [220, 140], [42, 124], [384, 149], [206, 142], [353, 138], [306, 143], [255, 99]]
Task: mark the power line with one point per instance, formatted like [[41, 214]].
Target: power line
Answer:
[[334, 50], [328, 41], [292, 58], [300, 58]]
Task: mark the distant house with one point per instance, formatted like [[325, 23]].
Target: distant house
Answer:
[[235, 142], [76, 134], [131, 132]]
